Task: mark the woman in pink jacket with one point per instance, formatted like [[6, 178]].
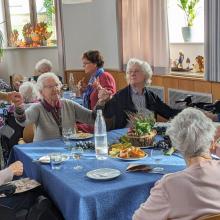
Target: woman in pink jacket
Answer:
[[195, 191]]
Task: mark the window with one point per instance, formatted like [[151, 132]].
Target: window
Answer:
[[177, 20], [30, 23]]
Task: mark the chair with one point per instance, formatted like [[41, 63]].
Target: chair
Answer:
[[209, 217]]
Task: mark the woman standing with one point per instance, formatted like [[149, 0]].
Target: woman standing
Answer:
[[93, 65]]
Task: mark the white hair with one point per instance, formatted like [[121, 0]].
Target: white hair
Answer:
[[42, 64], [191, 132], [29, 92], [145, 67], [42, 78]]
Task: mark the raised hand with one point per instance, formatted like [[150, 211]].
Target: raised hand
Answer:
[[81, 85], [104, 95], [16, 168], [16, 98]]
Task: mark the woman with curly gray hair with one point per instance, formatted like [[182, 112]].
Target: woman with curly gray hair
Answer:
[[136, 97], [195, 191]]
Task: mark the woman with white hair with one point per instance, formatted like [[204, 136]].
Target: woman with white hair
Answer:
[[195, 191], [29, 92], [134, 98], [41, 67], [52, 113]]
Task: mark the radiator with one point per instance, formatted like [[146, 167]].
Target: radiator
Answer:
[[158, 90], [175, 94]]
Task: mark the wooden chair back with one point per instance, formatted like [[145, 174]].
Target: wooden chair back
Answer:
[[209, 217], [118, 75]]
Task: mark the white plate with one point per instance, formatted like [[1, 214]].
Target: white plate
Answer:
[[215, 157], [46, 159], [131, 158], [103, 174], [81, 136]]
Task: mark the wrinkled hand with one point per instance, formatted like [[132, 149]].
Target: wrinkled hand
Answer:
[[215, 148], [16, 168], [213, 117], [81, 85], [104, 95], [17, 98]]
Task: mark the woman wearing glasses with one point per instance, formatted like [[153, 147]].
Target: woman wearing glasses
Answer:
[[136, 97], [52, 113], [93, 65]]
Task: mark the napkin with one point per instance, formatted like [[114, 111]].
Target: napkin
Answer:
[[138, 167]]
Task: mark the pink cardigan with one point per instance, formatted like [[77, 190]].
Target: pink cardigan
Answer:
[[184, 195]]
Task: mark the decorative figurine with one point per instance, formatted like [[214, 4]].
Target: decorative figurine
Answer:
[[199, 64], [180, 60], [188, 63]]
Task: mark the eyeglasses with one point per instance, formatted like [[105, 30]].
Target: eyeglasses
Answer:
[[57, 86], [134, 71], [84, 64]]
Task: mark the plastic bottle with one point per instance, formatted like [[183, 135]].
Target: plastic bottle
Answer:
[[101, 145]]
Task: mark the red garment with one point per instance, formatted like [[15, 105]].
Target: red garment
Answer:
[[107, 81]]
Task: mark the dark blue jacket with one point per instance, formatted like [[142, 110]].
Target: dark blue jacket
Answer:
[[116, 108]]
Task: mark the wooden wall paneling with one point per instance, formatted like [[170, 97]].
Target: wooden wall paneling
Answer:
[[157, 81], [202, 86], [215, 91], [169, 83], [185, 84]]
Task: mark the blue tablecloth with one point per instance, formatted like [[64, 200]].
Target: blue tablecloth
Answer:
[[79, 197], [68, 95]]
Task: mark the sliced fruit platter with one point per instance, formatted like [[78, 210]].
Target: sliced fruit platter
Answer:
[[125, 151]]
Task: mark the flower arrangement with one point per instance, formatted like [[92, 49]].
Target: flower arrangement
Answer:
[[141, 132], [34, 36]]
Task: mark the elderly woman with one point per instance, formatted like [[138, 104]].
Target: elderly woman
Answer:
[[29, 92], [93, 64], [52, 113], [195, 191], [42, 66], [133, 98]]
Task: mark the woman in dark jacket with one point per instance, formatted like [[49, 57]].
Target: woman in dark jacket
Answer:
[[133, 98]]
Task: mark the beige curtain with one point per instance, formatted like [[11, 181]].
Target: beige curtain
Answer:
[[60, 37], [145, 32]]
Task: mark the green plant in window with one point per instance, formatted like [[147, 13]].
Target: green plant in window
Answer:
[[50, 10], [1, 43], [189, 8]]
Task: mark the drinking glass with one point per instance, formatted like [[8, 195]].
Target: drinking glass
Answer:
[[55, 161], [67, 133], [77, 153], [157, 156]]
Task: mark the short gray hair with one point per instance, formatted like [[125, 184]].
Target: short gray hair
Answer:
[[29, 92], [41, 64], [42, 78], [145, 67], [191, 132]]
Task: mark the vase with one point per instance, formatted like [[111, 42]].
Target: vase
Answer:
[[187, 34]]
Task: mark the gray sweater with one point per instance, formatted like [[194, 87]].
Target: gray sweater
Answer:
[[46, 126], [5, 176]]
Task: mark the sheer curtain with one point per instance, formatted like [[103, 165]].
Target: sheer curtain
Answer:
[[212, 40], [145, 32], [60, 37]]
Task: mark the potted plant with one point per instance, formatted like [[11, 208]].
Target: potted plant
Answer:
[[141, 132], [189, 8]]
